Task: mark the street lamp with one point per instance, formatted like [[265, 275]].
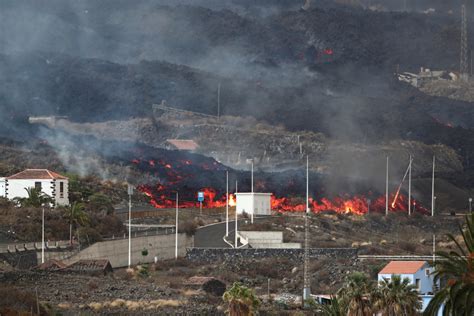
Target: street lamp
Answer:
[[130, 193], [176, 229]]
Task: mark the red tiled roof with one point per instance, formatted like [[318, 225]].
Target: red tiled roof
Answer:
[[402, 267], [89, 265], [37, 174], [51, 265], [183, 144]]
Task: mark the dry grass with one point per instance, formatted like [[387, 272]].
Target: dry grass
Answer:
[[134, 305]]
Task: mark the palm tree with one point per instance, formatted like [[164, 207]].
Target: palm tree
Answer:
[[334, 308], [76, 216], [457, 267], [356, 295], [397, 297], [35, 198], [242, 300]]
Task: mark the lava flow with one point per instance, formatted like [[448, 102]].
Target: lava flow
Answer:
[[189, 177]]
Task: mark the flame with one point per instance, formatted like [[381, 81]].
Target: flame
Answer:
[[162, 194], [232, 201], [328, 51]]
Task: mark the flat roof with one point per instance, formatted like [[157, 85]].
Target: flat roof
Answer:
[[250, 193]]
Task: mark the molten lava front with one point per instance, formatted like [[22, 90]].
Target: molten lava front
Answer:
[[187, 177]]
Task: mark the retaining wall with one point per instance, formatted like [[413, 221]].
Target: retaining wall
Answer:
[[116, 251], [224, 254]]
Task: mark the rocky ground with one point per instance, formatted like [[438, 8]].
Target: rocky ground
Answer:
[[161, 287]]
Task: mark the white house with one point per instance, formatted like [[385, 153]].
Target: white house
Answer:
[[418, 272], [253, 203], [49, 182]]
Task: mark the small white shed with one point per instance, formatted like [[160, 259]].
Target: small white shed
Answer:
[[253, 203]]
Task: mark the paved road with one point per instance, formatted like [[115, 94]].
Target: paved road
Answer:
[[211, 236]]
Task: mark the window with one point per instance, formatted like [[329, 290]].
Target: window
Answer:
[[61, 190], [427, 272], [417, 282], [38, 186]]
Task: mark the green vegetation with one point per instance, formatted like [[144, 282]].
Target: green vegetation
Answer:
[[241, 300], [360, 296], [397, 297], [89, 217], [35, 198], [457, 269], [76, 216]]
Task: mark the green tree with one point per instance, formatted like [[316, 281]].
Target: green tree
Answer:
[[100, 203], [457, 268], [76, 216], [242, 301], [397, 297], [334, 308], [35, 198], [356, 295]]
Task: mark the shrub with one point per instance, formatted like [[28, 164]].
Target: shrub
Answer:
[[408, 246], [16, 302], [189, 227], [88, 236]]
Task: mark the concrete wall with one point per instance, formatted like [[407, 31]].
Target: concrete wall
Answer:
[[267, 239], [2, 187], [116, 251], [16, 188], [211, 255]]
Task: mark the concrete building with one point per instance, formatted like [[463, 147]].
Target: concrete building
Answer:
[[418, 272], [49, 182], [256, 203]]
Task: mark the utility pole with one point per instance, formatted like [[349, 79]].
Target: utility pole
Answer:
[[176, 229], [218, 100], [236, 216], [386, 189], [42, 236], [470, 205], [307, 184], [130, 192], [409, 185], [306, 281], [464, 45], [433, 188], [253, 196], [434, 248], [368, 206], [227, 205]]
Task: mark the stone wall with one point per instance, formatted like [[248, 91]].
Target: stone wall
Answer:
[[20, 259], [210, 255]]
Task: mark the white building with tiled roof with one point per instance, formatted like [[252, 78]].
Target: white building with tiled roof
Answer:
[[419, 273], [49, 182]]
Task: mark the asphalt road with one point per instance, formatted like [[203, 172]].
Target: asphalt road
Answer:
[[211, 236]]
